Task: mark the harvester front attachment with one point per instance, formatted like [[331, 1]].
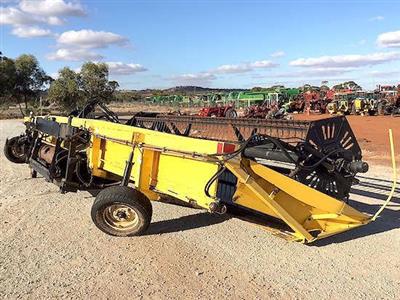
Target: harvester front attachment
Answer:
[[296, 173]]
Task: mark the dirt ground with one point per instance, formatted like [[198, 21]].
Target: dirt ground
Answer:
[[49, 248], [371, 133]]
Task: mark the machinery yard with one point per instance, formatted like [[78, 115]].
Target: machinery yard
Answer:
[[199, 149], [371, 131], [50, 247]]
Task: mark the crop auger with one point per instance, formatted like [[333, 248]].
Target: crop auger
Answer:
[[294, 176]]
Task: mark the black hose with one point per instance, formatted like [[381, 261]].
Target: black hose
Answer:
[[312, 167], [79, 175], [211, 181], [285, 152]]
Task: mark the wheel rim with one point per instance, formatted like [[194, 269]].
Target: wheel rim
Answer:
[[17, 150], [121, 217]]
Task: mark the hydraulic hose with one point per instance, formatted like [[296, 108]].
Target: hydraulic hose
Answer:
[[394, 176]]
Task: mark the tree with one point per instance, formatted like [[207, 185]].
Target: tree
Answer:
[[95, 83], [256, 89], [348, 85], [7, 77], [66, 91], [324, 88], [72, 90], [30, 78]]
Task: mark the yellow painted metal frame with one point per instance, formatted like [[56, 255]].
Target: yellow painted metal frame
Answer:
[[166, 164]]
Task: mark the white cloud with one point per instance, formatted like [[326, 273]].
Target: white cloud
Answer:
[[389, 39], [243, 68], [77, 54], [346, 61], [31, 32], [87, 38], [376, 18], [119, 68], [205, 78], [194, 79], [13, 16], [384, 74], [278, 54], [55, 21], [311, 73], [77, 45], [30, 12], [233, 69], [51, 8], [263, 64]]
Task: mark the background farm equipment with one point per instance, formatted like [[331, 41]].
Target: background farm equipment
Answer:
[[308, 101], [219, 111], [342, 103], [259, 111], [297, 104], [266, 110], [389, 100], [364, 103], [314, 102]]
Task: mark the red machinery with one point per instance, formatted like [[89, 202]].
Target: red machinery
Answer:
[[389, 102], [226, 111], [259, 111], [317, 101]]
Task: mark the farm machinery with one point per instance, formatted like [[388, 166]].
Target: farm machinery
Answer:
[[389, 100], [272, 105], [365, 103], [311, 100], [219, 110], [342, 103], [293, 177]]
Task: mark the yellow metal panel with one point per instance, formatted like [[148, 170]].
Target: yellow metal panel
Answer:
[[307, 195], [185, 178], [269, 201]]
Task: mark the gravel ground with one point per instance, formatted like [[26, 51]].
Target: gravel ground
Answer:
[[50, 248]]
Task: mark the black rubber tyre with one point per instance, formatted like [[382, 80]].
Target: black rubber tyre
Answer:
[[381, 109], [231, 113], [353, 110], [121, 211], [14, 152]]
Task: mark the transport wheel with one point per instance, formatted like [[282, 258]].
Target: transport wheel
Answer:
[[121, 211], [15, 151], [381, 109], [353, 110]]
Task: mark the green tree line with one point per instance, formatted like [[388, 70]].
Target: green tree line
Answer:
[[23, 82]]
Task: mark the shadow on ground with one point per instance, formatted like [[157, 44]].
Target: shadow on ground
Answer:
[[184, 223], [388, 220], [369, 187]]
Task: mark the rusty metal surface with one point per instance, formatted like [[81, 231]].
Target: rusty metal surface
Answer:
[[223, 129]]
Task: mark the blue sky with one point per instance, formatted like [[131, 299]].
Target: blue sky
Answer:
[[158, 44]]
